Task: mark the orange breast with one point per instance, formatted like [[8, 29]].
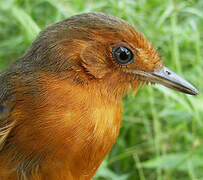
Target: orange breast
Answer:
[[69, 133]]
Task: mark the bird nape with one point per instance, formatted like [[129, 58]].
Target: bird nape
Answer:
[[60, 103]]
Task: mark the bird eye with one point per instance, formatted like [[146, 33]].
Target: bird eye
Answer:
[[122, 55]]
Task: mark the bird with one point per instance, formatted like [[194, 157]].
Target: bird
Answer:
[[61, 101]]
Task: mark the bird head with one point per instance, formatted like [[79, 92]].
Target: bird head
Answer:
[[104, 49], [64, 94]]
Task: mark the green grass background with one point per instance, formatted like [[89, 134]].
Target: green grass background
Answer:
[[162, 131]]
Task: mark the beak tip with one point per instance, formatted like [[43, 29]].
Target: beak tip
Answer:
[[192, 90], [195, 92]]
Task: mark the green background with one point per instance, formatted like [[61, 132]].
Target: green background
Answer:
[[162, 131]]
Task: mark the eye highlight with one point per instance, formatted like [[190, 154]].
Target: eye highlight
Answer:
[[123, 55]]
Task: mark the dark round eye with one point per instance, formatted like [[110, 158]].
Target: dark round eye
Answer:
[[122, 55]]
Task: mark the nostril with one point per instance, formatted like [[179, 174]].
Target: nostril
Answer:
[[167, 72]]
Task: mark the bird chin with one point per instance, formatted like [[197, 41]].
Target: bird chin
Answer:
[[136, 84]]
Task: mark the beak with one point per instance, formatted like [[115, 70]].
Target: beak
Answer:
[[170, 79]]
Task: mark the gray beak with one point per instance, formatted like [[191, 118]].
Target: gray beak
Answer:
[[170, 79]]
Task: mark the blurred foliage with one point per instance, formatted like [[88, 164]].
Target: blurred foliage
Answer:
[[162, 132]]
